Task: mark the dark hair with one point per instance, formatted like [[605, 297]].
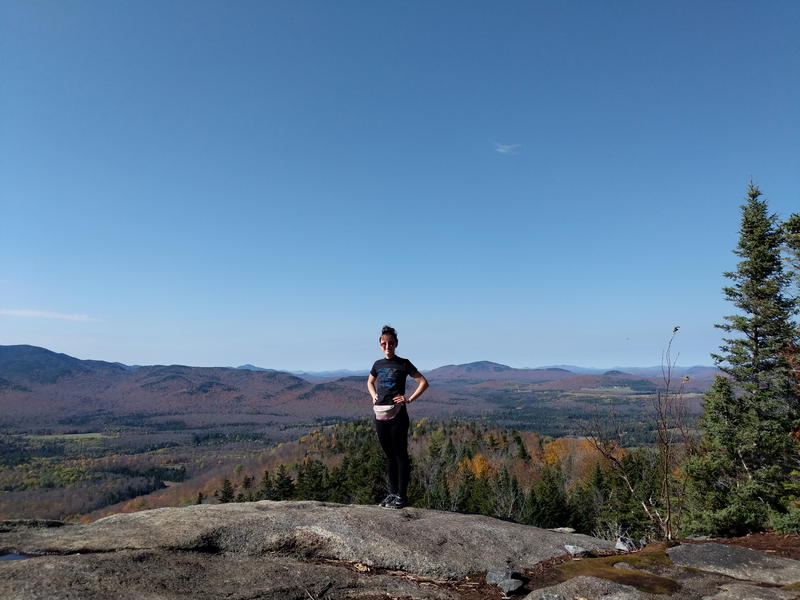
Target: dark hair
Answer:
[[387, 330]]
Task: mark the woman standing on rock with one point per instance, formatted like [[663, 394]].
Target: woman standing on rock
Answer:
[[387, 386]]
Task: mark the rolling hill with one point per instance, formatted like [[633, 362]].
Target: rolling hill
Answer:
[[41, 388]]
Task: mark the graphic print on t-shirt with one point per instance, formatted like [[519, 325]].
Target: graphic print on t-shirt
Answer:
[[388, 377]]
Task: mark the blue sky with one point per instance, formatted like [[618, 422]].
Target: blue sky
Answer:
[[214, 183]]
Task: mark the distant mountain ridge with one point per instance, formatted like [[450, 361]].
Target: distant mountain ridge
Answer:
[[249, 367], [37, 364], [331, 374], [485, 369], [39, 387], [699, 371], [312, 374], [46, 391], [32, 364]]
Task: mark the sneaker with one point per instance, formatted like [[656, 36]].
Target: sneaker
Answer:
[[397, 502], [387, 501]]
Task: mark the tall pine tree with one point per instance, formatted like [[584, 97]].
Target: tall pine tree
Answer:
[[791, 232], [312, 480], [747, 461], [282, 485]]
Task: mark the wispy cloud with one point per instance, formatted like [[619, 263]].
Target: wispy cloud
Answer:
[[506, 148], [43, 314]]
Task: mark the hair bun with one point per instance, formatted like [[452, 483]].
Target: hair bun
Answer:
[[388, 330]]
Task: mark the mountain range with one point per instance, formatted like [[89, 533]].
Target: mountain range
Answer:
[[697, 371], [42, 388]]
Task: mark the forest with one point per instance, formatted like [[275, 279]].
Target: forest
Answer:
[[87, 475], [464, 467], [82, 467]]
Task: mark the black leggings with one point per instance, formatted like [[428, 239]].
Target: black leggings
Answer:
[[393, 436]]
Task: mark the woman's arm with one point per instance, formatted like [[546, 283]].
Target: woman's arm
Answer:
[[422, 385], [371, 388]]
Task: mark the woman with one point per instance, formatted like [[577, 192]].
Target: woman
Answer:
[[387, 386]]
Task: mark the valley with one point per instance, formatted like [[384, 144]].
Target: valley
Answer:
[[78, 436]]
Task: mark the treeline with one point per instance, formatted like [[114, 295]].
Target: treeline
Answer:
[[72, 501], [465, 467], [20, 449], [36, 484], [566, 421], [17, 450]]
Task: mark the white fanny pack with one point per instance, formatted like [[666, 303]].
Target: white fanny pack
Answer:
[[384, 412]]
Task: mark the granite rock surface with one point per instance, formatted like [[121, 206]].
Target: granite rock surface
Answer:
[[302, 550]]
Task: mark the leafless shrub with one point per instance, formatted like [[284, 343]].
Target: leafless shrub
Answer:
[[673, 438]]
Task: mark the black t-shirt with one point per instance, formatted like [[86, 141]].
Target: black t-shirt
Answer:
[[390, 375]]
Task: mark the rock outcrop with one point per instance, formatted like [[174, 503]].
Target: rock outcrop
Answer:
[[267, 550], [740, 563], [428, 543], [314, 550]]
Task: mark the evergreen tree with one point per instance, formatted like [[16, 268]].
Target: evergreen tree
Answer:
[[226, 494], [587, 502], [282, 485], [552, 509], [366, 477], [361, 476], [530, 507], [791, 232], [598, 483], [522, 450], [265, 489], [727, 499], [460, 491], [582, 509], [508, 496], [479, 497], [747, 455], [756, 358], [312, 481], [449, 455], [436, 440], [626, 489], [338, 486], [438, 496]]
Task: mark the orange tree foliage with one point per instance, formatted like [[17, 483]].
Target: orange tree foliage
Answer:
[[478, 466]]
